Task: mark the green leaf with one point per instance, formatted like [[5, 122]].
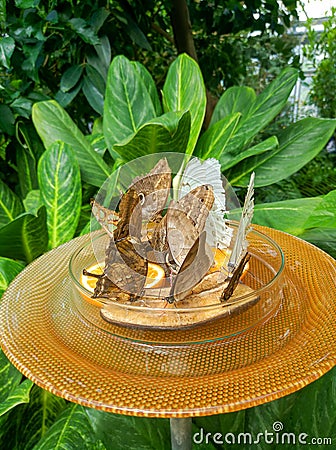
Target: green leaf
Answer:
[[7, 47], [118, 432], [184, 90], [84, 30], [18, 396], [2, 11], [7, 120], [26, 165], [239, 175], [324, 214], [25, 4], [168, 132], [150, 85], [10, 204], [33, 202], [60, 188], [298, 144], [8, 271], [71, 77], [265, 107], [27, 424], [94, 89], [26, 237], [10, 377], [324, 238], [72, 431], [65, 98], [214, 140], [128, 104], [289, 216], [236, 99], [54, 124]]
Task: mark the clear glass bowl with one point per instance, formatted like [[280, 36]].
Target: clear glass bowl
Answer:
[[158, 321]]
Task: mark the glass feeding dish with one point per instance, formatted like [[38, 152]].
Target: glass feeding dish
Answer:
[[256, 297]]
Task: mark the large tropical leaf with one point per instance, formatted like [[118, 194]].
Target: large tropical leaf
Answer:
[[128, 104], [236, 99], [168, 132], [71, 431], [54, 124], [10, 204], [298, 144], [26, 237], [214, 140], [27, 424], [184, 90], [150, 85], [8, 270], [26, 165], [239, 175], [264, 108], [324, 214], [324, 238], [61, 192], [118, 432], [12, 391], [288, 215]]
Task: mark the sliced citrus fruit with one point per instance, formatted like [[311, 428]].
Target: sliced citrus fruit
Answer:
[[155, 274], [90, 282]]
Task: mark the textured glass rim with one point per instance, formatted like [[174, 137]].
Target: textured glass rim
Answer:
[[177, 309]]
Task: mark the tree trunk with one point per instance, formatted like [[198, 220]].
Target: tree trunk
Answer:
[[180, 20], [184, 42]]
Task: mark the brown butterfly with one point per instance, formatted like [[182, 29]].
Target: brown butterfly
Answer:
[[153, 189], [234, 279], [180, 227], [125, 270], [195, 265]]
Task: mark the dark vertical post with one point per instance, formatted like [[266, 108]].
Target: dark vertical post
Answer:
[[180, 434]]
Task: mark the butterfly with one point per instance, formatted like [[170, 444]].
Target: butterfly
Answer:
[[152, 190], [197, 173], [195, 265], [178, 230], [125, 269], [235, 278], [240, 244]]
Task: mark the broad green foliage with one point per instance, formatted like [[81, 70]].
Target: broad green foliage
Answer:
[[8, 270], [60, 189], [54, 124], [12, 391], [61, 168], [184, 90], [128, 103]]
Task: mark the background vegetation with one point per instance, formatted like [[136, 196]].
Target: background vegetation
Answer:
[[62, 90]]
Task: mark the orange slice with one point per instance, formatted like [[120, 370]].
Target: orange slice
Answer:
[[221, 259], [155, 274]]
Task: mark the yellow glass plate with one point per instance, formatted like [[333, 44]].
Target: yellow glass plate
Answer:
[[47, 339]]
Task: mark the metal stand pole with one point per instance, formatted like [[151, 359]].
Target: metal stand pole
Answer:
[[180, 434]]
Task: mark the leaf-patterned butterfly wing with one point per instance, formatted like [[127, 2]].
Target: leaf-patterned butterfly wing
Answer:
[[196, 264], [181, 233], [107, 218], [130, 217], [186, 219], [234, 279], [126, 267], [198, 173], [153, 189]]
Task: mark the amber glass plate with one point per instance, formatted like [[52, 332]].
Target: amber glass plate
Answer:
[[48, 340]]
